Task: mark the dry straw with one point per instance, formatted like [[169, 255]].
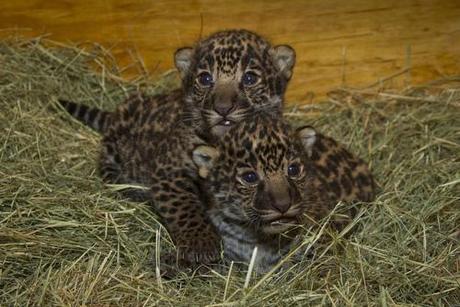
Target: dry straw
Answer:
[[66, 239]]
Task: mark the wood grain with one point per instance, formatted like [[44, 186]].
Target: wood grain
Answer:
[[355, 42]]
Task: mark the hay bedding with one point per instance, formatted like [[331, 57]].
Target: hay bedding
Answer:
[[66, 239]]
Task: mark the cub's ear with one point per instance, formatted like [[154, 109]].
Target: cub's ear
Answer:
[[307, 135], [204, 157], [183, 60], [284, 59]]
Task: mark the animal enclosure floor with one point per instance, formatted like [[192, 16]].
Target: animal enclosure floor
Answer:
[[67, 239]]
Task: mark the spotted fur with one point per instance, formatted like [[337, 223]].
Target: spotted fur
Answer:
[[148, 141], [301, 176]]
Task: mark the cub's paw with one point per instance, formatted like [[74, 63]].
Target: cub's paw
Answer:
[[203, 248], [195, 247], [198, 255]]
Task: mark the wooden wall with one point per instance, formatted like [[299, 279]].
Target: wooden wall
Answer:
[[353, 41]]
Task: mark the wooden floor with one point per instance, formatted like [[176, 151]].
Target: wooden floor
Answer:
[[355, 42]]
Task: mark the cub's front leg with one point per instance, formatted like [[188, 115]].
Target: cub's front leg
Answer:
[[182, 208]]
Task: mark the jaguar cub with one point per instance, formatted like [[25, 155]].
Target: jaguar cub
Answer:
[[264, 179], [148, 141]]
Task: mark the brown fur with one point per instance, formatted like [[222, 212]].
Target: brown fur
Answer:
[[264, 213], [148, 141]]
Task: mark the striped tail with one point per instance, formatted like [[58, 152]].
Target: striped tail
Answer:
[[92, 117]]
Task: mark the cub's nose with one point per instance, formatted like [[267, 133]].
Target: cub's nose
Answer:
[[282, 205], [223, 109], [280, 194]]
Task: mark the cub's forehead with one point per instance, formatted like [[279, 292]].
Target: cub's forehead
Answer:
[[262, 140], [239, 39], [229, 47]]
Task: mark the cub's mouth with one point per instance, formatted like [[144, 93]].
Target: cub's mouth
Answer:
[[222, 127], [279, 225], [226, 123]]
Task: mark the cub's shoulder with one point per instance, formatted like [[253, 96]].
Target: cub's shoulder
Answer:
[[346, 176]]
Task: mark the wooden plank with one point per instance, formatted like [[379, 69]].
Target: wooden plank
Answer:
[[361, 40]]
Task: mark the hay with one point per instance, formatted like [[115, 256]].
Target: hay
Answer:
[[66, 239]]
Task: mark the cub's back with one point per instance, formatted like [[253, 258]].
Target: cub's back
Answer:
[[346, 177], [140, 114]]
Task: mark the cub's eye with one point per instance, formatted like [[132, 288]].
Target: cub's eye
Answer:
[[250, 177], [294, 170], [205, 79], [250, 78]]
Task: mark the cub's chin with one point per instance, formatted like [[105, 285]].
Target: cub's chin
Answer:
[[222, 127], [278, 226]]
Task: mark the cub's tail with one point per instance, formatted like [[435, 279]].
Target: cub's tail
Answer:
[[92, 117]]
